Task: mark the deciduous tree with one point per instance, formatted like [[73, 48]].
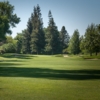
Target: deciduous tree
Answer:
[[7, 19], [74, 43]]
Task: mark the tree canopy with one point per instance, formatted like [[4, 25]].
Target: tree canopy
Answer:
[[91, 41], [74, 43], [7, 19]]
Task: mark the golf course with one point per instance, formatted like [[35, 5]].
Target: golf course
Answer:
[[49, 77], [49, 50]]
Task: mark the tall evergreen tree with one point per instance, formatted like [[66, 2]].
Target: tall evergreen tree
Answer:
[[37, 36], [34, 35], [74, 43], [25, 42], [64, 38], [41, 36], [27, 36], [52, 36]]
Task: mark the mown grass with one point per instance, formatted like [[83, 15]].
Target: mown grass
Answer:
[[91, 57], [43, 77]]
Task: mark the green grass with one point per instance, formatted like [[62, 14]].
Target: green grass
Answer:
[[91, 57], [43, 77]]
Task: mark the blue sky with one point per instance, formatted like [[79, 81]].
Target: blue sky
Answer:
[[73, 14]]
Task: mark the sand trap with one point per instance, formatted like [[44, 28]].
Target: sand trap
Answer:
[[65, 55]]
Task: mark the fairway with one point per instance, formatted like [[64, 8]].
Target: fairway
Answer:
[[43, 77]]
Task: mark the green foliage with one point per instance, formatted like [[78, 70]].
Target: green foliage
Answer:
[[7, 19], [19, 44], [74, 43], [33, 40], [9, 39], [9, 46], [25, 42], [65, 51], [91, 41], [64, 38], [52, 37]]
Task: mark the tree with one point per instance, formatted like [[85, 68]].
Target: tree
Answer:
[[92, 39], [98, 37], [19, 39], [25, 42], [37, 36], [28, 34], [9, 46], [74, 43], [41, 36], [52, 37], [34, 42], [7, 19], [64, 38]]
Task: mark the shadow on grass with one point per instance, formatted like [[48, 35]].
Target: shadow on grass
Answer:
[[11, 61], [20, 56], [8, 64], [49, 73]]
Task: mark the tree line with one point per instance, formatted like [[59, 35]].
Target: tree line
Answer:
[[36, 39]]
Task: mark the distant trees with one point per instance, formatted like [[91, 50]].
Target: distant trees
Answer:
[[74, 44], [91, 40], [36, 39], [64, 39], [7, 19]]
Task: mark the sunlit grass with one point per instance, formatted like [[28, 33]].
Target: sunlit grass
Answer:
[[44, 77]]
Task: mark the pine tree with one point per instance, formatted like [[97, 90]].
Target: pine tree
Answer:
[[41, 38], [34, 35], [52, 37], [25, 42], [28, 34], [37, 36], [64, 38]]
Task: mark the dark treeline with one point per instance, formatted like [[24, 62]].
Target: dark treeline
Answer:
[[39, 40], [36, 39]]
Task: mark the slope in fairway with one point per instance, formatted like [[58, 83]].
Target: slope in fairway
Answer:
[[31, 77]]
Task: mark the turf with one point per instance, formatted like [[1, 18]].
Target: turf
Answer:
[[43, 77]]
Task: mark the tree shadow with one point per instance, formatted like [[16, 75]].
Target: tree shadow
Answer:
[[20, 56], [11, 61], [49, 73], [3, 64]]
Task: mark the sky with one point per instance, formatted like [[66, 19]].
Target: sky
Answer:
[[73, 14]]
